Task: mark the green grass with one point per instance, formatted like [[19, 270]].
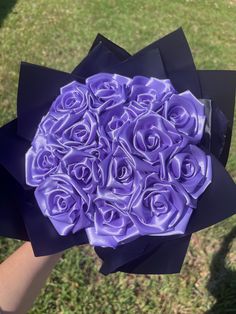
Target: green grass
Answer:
[[58, 33]]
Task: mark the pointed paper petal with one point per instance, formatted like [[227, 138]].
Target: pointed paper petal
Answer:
[[118, 51], [148, 63], [219, 86], [12, 155], [146, 255], [11, 222], [178, 61], [97, 59]]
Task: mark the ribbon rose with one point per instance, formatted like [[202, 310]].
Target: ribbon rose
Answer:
[[62, 200]]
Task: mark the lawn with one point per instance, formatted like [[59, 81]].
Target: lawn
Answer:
[[58, 33]]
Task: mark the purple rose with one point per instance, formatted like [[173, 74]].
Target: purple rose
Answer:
[[45, 126], [111, 226], [135, 109], [192, 168], [163, 208], [40, 164], [62, 200], [72, 132], [45, 135], [120, 178], [150, 93], [110, 122], [43, 158], [108, 91], [150, 137], [186, 113], [83, 168], [119, 185], [72, 100]]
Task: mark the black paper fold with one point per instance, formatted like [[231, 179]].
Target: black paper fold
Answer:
[[219, 86], [146, 255], [11, 222]]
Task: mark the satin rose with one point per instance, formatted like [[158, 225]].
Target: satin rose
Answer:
[[42, 159], [107, 91], [192, 168], [119, 185], [73, 99], [62, 200], [150, 137], [150, 93], [162, 208], [75, 131], [111, 122], [112, 227], [40, 164], [83, 168], [186, 113]]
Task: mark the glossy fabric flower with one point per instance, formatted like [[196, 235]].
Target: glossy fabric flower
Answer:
[[115, 157], [43, 162], [150, 93], [149, 136], [186, 113], [62, 200], [190, 167], [83, 168], [73, 100], [107, 91], [162, 207]]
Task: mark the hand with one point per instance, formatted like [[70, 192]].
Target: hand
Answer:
[[22, 275]]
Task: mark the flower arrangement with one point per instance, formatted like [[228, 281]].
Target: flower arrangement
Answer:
[[118, 157], [126, 153]]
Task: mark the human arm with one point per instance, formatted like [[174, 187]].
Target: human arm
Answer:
[[22, 275]]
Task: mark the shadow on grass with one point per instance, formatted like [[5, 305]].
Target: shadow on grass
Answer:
[[5, 8], [222, 282]]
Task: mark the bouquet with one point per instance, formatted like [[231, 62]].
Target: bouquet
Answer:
[[126, 153]]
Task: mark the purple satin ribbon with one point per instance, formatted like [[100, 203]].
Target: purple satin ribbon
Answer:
[[118, 157]]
